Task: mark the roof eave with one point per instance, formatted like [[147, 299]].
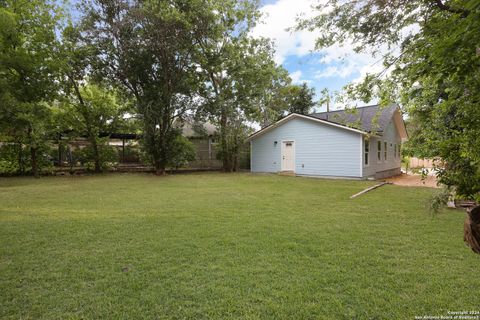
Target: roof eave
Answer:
[[302, 116]]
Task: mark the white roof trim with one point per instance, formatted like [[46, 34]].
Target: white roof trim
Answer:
[[301, 116]]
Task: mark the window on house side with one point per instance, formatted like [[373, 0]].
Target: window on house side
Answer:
[[367, 151], [385, 151], [379, 150]]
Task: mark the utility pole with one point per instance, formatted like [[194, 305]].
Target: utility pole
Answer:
[[328, 106], [326, 99]]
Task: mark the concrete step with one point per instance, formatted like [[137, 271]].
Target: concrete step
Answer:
[[286, 173]]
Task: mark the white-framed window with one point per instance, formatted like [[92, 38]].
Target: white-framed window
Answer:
[[379, 150], [399, 151], [366, 153], [395, 151], [385, 150]]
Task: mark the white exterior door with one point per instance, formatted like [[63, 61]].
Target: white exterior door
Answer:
[[288, 156]]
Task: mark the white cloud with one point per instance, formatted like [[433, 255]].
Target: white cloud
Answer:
[[334, 71], [280, 16], [337, 61], [297, 77], [343, 62]]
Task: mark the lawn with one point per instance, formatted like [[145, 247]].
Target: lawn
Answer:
[[223, 246]]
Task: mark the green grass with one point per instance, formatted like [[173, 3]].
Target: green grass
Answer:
[[224, 246]]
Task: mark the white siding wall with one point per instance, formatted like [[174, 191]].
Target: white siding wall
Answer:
[[392, 138], [320, 149]]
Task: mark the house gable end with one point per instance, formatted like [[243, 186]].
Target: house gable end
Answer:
[[300, 116]]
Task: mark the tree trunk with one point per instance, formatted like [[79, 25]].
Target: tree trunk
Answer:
[[71, 160], [60, 149], [21, 167], [34, 162], [227, 165], [159, 168], [235, 162], [161, 161], [226, 154], [223, 140], [471, 234], [227, 162], [96, 156]]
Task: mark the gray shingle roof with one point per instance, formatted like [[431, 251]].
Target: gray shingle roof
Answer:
[[372, 119]]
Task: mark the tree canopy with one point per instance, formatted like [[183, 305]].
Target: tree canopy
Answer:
[[29, 66], [299, 98], [172, 59]]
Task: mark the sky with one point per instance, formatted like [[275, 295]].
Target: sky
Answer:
[[330, 68]]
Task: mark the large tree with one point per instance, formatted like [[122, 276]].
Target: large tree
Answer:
[[283, 98], [28, 71], [431, 54], [299, 98], [272, 105], [146, 46], [89, 109], [94, 112], [236, 71]]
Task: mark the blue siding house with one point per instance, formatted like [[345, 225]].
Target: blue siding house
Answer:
[[361, 143]]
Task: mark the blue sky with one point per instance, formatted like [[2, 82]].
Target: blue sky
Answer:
[[330, 68]]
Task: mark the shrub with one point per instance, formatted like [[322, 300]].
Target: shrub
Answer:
[[183, 151], [15, 159], [10, 158], [85, 156], [132, 153], [8, 168]]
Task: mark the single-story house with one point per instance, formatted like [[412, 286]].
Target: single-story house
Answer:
[[204, 138], [361, 143]]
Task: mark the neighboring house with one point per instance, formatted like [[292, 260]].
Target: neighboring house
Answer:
[[203, 136], [360, 143]]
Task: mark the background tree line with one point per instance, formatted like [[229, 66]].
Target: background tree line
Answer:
[[135, 66]]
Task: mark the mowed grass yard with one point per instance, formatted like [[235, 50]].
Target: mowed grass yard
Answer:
[[225, 246]]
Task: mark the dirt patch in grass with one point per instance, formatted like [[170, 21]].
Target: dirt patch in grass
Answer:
[[414, 180]]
